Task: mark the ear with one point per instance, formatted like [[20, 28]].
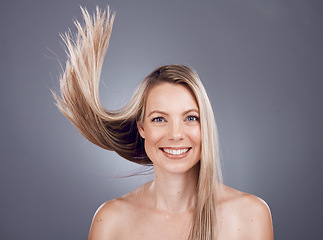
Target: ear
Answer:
[[141, 129]]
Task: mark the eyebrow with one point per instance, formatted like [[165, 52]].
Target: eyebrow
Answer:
[[164, 113]]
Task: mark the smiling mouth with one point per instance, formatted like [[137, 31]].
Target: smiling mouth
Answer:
[[175, 151]]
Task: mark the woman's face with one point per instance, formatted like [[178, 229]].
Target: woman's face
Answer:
[[171, 128]]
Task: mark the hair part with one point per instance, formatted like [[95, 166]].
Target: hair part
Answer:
[[117, 130]]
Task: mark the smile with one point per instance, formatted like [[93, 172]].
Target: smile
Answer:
[[175, 151]]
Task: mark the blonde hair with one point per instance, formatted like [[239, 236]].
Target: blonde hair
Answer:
[[117, 130]]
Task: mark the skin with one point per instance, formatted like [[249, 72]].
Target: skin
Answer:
[[163, 208]]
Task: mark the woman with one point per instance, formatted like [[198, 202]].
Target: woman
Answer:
[[168, 123]]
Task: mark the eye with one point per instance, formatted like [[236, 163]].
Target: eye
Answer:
[[158, 119], [192, 118]]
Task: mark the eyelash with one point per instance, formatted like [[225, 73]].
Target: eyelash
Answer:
[[195, 118], [157, 119], [160, 119]]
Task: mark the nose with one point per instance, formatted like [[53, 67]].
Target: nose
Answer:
[[176, 131]]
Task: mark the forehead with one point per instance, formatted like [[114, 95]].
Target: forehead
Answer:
[[169, 96]]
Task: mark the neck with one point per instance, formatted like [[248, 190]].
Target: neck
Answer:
[[175, 193]]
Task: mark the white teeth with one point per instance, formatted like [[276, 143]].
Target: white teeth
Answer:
[[175, 152]]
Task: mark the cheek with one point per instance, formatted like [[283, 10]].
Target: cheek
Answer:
[[195, 136], [152, 137]]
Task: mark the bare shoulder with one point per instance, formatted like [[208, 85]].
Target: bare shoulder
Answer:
[[250, 214], [246, 202], [105, 221], [110, 217]]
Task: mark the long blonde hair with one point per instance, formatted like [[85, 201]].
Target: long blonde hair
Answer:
[[117, 130]]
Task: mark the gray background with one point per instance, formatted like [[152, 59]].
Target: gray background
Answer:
[[260, 60]]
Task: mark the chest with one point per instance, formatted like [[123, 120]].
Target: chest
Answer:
[[156, 226]]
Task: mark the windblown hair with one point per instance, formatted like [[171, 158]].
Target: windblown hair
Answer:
[[117, 130]]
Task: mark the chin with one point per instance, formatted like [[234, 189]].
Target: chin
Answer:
[[177, 167]]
